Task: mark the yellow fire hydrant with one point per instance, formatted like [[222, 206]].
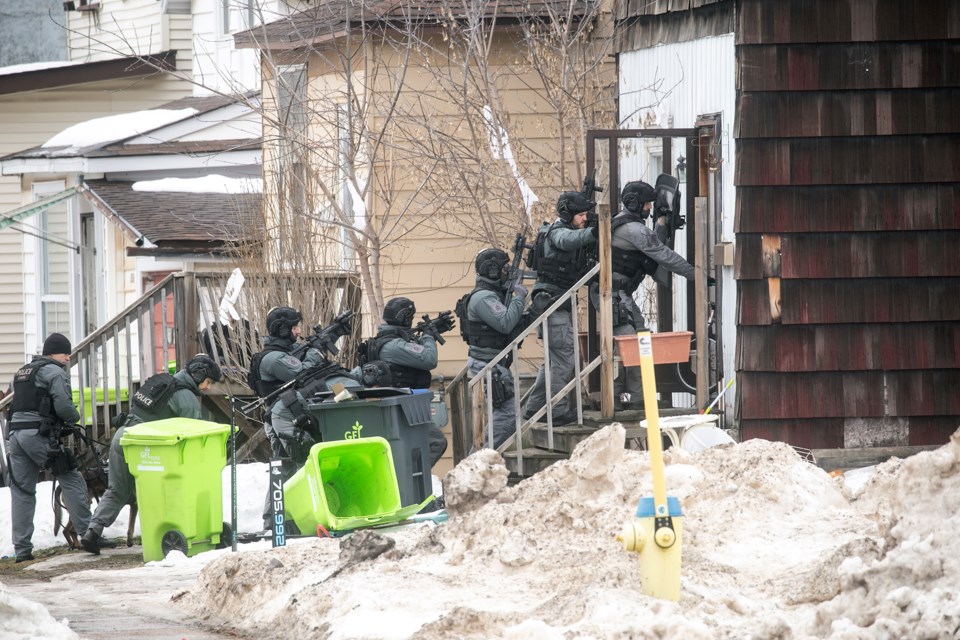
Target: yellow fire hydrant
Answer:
[[656, 531]]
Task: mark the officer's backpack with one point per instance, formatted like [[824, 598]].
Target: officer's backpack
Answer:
[[155, 392], [534, 257]]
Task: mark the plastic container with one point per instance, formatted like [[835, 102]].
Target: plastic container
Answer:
[[672, 346], [674, 427], [98, 394], [402, 420], [345, 485], [177, 464], [703, 436]]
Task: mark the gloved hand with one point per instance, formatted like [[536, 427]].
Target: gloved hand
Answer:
[[431, 331], [711, 281], [519, 290], [595, 230], [446, 324], [312, 357]]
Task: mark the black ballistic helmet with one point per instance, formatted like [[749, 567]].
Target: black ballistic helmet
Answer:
[[280, 320], [489, 262], [202, 366], [399, 312], [636, 194], [570, 203]]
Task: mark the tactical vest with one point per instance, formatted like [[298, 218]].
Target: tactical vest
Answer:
[[630, 262], [403, 376], [152, 400], [477, 333], [28, 397], [262, 387], [560, 272]]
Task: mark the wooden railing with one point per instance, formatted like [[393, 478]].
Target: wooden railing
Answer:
[[471, 402], [161, 330]]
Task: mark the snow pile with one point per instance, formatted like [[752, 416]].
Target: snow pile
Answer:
[[773, 547], [21, 619], [912, 590]]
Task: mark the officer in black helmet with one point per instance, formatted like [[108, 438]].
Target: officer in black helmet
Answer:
[[488, 325], [564, 256], [160, 397], [42, 404], [410, 358], [636, 252], [273, 367]]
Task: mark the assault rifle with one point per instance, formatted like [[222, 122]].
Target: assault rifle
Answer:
[[590, 187], [324, 339], [441, 324], [515, 274], [315, 373]]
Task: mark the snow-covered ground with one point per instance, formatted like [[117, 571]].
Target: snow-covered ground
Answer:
[[772, 547]]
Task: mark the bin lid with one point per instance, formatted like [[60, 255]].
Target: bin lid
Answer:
[[170, 431]]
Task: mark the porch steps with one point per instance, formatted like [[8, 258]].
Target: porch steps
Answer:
[[538, 456]]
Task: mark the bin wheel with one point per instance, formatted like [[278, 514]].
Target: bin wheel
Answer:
[[226, 536], [173, 540]]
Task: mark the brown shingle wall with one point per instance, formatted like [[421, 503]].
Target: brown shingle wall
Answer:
[[848, 211]]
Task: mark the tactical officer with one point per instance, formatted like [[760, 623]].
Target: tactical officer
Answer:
[[488, 325], [409, 357], [160, 397], [636, 251], [42, 406], [270, 369], [563, 256]]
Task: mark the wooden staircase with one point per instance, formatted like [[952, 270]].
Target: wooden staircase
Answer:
[[537, 454]]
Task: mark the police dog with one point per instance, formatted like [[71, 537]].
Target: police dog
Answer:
[[93, 469]]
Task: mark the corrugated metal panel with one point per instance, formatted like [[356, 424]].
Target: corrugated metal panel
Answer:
[[849, 66], [870, 113], [869, 207], [700, 78], [763, 21], [867, 160], [850, 347]]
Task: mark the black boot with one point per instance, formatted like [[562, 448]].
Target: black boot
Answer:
[[91, 542]]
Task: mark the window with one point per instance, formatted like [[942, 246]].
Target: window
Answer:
[[53, 274], [237, 15]]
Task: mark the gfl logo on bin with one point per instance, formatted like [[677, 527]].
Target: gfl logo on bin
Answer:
[[354, 433]]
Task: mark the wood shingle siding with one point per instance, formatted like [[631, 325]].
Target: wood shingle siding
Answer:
[[848, 221]]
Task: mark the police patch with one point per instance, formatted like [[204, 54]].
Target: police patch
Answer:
[[496, 306], [290, 360], [413, 347]]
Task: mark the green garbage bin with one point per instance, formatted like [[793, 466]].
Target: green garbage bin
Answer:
[[346, 484], [177, 464], [402, 420]]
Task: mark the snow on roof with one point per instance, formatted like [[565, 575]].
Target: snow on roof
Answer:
[[206, 184], [108, 129], [37, 66]]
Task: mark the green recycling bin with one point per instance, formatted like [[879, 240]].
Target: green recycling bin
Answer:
[[177, 464], [346, 484]]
